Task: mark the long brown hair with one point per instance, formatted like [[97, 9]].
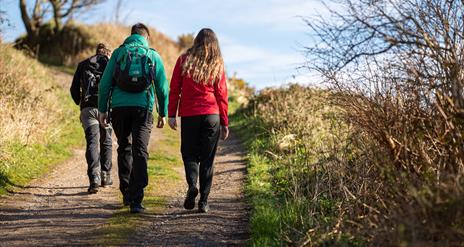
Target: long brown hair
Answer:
[[204, 63]]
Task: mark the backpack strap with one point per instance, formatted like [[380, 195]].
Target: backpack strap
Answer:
[[113, 85]]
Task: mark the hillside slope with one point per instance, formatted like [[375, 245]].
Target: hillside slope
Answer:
[[114, 35], [36, 114]]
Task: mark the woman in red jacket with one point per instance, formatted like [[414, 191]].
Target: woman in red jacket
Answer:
[[199, 96]]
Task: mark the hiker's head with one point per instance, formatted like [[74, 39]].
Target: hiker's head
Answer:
[[204, 63], [141, 29], [103, 50]]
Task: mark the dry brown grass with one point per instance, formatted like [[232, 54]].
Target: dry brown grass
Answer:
[[29, 104]]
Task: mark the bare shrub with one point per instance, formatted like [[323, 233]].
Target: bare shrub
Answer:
[[397, 68]]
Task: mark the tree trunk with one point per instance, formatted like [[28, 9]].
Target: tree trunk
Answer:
[[56, 5], [25, 17]]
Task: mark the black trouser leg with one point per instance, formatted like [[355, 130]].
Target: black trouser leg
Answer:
[[141, 130], [200, 135], [190, 148], [209, 137], [91, 153], [132, 128], [105, 149], [122, 129]]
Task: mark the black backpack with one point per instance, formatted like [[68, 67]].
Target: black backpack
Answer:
[[92, 75], [134, 70]]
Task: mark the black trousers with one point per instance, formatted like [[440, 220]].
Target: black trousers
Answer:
[[132, 126], [97, 162], [199, 140]]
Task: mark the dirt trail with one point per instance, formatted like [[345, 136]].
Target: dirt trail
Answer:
[[57, 211], [226, 224]]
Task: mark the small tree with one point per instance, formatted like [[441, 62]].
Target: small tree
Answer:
[[60, 12]]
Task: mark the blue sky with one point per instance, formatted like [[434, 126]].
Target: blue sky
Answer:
[[261, 40]]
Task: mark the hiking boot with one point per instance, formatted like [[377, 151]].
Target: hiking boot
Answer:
[[93, 188], [189, 202], [203, 207], [136, 208], [106, 179]]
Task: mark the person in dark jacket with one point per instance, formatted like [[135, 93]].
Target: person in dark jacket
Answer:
[[84, 91], [134, 76], [198, 94]]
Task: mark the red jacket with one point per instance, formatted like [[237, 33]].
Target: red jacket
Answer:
[[197, 98]]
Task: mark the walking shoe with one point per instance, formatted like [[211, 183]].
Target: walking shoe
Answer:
[[189, 202], [106, 179], [203, 207], [93, 188], [136, 208]]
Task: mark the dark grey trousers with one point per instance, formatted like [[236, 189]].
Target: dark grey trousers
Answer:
[[199, 140], [98, 152]]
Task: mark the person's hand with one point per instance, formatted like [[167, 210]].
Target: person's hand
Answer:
[[161, 122], [224, 132], [103, 119], [172, 121]]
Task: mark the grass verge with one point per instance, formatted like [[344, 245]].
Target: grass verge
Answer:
[[264, 221], [288, 133]]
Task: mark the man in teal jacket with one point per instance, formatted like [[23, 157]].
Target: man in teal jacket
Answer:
[[132, 118]]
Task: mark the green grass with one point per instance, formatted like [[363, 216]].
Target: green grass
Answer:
[[162, 164], [265, 218]]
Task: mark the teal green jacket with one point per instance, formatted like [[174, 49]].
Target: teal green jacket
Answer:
[[122, 98]]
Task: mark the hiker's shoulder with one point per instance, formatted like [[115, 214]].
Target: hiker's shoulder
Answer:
[[84, 62], [154, 53], [118, 49]]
